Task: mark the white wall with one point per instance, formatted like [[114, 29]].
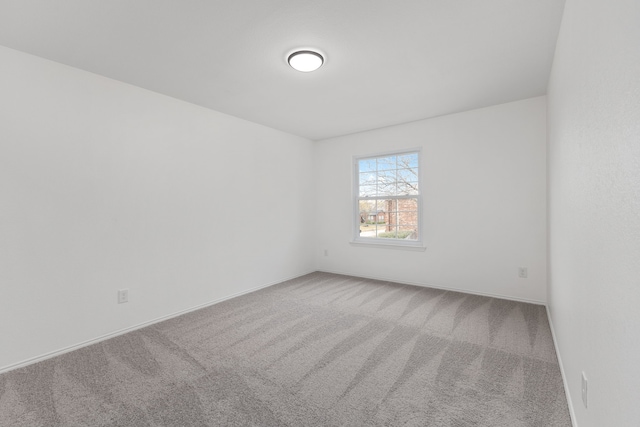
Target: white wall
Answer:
[[106, 186], [484, 202], [594, 207]]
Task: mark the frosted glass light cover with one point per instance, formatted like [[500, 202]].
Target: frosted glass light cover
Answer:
[[305, 61]]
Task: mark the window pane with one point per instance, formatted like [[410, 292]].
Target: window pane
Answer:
[[367, 190], [367, 165], [408, 204], [388, 232], [407, 189], [408, 232], [392, 219], [386, 163], [367, 178], [408, 161], [407, 217], [367, 205], [367, 211], [389, 206], [387, 183], [408, 174]]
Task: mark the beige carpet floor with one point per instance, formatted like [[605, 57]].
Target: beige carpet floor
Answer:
[[319, 350]]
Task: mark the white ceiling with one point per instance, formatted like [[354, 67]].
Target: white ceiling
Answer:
[[386, 62]]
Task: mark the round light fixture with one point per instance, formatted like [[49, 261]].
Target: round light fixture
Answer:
[[305, 60]]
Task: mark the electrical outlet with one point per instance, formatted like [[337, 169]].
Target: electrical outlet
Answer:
[[584, 389], [522, 272], [123, 296]]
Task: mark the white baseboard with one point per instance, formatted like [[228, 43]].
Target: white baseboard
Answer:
[[446, 288], [96, 340], [86, 343], [572, 414]]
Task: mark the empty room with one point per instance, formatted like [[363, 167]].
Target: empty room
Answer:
[[320, 213]]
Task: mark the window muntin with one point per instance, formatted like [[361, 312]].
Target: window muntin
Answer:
[[387, 199]]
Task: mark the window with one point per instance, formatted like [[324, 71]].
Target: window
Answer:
[[387, 199]]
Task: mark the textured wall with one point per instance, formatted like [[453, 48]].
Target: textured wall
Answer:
[[106, 186], [594, 207]]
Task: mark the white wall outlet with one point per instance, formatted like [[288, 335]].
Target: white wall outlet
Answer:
[[123, 296], [522, 272], [584, 389], [326, 252]]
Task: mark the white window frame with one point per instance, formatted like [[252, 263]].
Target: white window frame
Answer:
[[357, 240]]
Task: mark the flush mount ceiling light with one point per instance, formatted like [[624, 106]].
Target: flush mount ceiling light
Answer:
[[305, 60]]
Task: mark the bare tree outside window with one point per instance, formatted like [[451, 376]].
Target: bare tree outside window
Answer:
[[388, 195]]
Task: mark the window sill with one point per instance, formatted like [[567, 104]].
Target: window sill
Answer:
[[385, 245]]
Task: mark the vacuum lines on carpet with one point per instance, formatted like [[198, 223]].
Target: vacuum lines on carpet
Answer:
[[319, 350]]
